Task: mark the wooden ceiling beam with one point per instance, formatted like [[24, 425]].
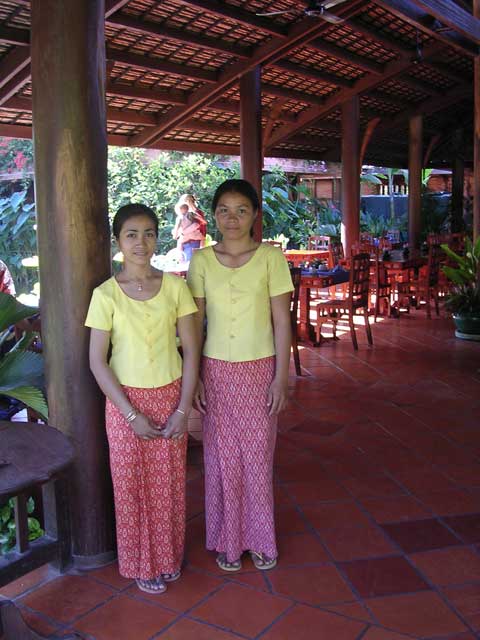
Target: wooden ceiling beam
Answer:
[[142, 93], [446, 71], [292, 94], [311, 73], [347, 56], [12, 63], [300, 33], [452, 15], [378, 37], [149, 63], [15, 131], [420, 85], [112, 6], [408, 11], [196, 124], [16, 83], [179, 35], [17, 37], [236, 14], [308, 117]]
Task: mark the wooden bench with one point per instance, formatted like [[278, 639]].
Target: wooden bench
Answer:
[[32, 456]]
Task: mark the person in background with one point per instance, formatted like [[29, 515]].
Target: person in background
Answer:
[[190, 226], [137, 314], [243, 289], [6, 281]]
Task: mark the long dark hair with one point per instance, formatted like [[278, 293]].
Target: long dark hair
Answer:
[[236, 185], [129, 211]]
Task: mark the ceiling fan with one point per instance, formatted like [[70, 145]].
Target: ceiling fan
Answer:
[[314, 9]]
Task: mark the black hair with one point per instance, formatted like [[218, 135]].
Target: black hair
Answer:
[[236, 185], [129, 211]]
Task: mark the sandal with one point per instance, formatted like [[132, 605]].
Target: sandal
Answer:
[[171, 577], [154, 586], [228, 566], [262, 562]]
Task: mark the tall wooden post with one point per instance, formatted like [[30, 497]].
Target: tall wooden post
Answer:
[[251, 159], [476, 135], [69, 123], [458, 169], [350, 173], [415, 180]]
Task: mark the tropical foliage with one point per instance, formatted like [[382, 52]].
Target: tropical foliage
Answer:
[[8, 529], [18, 238], [21, 371], [465, 297]]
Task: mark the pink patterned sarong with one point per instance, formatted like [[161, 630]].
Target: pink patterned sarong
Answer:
[[239, 442], [149, 486]]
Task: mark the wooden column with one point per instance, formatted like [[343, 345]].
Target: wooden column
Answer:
[[415, 180], [350, 173], [251, 159], [69, 123], [458, 168], [476, 135]]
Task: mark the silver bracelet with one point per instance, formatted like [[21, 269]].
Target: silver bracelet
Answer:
[[180, 411], [131, 416]]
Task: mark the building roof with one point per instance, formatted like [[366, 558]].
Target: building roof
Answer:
[[173, 69]]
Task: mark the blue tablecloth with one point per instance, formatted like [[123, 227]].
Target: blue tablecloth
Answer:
[[338, 275]]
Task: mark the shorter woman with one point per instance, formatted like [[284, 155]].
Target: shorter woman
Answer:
[[243, 288], [137, 314]]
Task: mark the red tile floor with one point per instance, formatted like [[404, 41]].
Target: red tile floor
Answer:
[[377, 483]]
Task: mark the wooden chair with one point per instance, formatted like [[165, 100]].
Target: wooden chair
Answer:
[[383, 287], [296, 274], [426, 284], [358, 298], [318, 243], [336, 254]]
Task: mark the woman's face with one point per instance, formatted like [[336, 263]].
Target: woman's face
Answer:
[[234, 215], [138, 240]]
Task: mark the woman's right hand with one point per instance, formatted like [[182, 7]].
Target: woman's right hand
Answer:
[[144, 428], [199, 401]]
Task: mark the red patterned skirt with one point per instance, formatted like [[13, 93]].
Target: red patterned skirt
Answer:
[[239, 442], [149, 486]]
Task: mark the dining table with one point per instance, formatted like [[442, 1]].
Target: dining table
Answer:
[[315, 279], [297, 256]]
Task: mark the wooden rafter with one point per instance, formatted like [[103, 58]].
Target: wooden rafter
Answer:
[[452, 15], [14, 62], [141, 93], [178, 35], [310, 73], [275, 49], [14, 85], [409, 11], [17, 37], [347, 56], [311, 115], [271, 120], [433, 142], [367, 135], [164, 66], [112, 6]]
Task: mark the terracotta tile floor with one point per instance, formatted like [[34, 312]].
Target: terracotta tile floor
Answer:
[[377, 484]]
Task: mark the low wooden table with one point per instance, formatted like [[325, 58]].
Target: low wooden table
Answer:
[[33, 455]]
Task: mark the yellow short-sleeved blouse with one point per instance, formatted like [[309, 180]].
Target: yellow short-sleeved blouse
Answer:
[[239, 323], [142, 333]]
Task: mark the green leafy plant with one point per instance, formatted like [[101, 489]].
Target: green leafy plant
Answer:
[[18, 238], [7, 525], [465, 297], [21, 371]]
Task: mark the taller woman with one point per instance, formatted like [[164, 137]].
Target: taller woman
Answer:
[[138, 314], [243, 289]]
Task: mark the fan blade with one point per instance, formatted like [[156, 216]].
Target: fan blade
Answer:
[[272, 13], [331, 17], [332, 3]]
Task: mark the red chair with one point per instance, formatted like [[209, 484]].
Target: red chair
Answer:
[[296, 274]]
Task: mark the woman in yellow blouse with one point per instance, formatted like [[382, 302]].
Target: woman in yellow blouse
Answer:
[[137, 313], [243, 290]]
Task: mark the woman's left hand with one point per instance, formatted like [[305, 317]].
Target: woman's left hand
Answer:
[[176, 426], [277, 396]]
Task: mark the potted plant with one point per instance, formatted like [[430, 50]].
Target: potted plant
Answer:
[[21, 370], [464, 300]]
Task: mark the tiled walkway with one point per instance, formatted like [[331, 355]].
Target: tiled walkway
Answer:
[[378, 512]]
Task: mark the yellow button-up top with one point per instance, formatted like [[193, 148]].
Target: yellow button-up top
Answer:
[[239, 322], [142, 332]]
